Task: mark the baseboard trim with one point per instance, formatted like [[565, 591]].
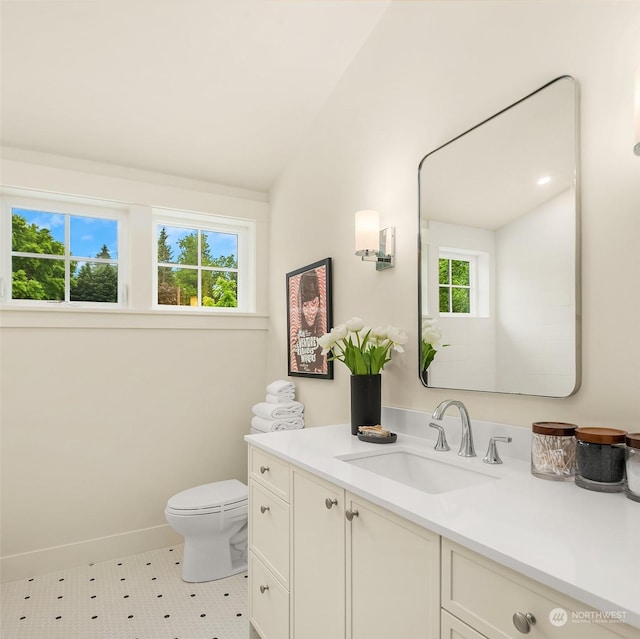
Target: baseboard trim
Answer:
[[38, 562]]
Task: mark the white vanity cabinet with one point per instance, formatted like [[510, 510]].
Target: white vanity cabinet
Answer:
[[269, 545], [359, 571], [325, 563], [486, 595]]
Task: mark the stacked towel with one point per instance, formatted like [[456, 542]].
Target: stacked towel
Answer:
[[269, 425], [279, 411], [271, 410], [282, 389]]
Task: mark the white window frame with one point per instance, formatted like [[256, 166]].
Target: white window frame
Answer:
[[67, 206], [244, 229]]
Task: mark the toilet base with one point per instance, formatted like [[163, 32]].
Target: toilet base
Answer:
[[208, 560], [200, 573]]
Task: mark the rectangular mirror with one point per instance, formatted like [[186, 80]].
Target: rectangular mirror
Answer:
[[499, 250]]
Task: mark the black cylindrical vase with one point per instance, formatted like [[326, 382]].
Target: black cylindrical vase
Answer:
[[366, 401]]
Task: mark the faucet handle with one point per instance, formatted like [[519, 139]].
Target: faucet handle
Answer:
[[492, 456], [441, 444]]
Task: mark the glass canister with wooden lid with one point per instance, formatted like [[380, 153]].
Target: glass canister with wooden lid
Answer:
[[632, 481], [600, 459], [553, 450]]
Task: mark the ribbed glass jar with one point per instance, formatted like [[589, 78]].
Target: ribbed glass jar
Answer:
[[600, 459], [553, 450], [632, 481]]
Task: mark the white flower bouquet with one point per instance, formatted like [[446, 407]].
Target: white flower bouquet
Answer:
[[431, 336], [364, 351]]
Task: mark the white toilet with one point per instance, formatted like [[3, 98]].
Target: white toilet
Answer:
[[213, 520]]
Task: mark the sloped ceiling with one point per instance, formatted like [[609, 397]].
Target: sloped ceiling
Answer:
[[218, 90]]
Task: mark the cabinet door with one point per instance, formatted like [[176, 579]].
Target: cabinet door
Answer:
[[393, 576], [318, 594]]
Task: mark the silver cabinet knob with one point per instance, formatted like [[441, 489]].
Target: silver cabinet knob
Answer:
[[263, 509], [350, 514], [523, 622], [263, 589], [329, 503], [263, 469]]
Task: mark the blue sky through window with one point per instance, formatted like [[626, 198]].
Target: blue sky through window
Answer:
[[88, 234], [222, 244]]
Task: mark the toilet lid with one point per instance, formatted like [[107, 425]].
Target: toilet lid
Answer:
[[219, 493]]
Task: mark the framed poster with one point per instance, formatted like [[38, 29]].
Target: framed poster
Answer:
[[308, 318]]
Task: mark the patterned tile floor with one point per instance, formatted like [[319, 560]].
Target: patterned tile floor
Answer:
[[136, 597]]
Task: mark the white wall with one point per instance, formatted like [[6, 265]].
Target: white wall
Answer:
[[536, 322], [106, 415], [429, 71]]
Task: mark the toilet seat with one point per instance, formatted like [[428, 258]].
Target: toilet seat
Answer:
[[221, 496]]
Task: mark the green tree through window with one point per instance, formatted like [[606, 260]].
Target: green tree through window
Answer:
[[35, 278], [95, 281], [179, 278], [454, 278], [41, 263]]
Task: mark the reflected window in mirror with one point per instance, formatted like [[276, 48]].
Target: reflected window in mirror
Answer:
[[456, 284]]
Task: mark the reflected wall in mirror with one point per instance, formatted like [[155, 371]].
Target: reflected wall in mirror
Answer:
[[499, 250]]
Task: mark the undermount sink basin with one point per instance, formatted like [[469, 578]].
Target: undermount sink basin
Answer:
[[418, 471]]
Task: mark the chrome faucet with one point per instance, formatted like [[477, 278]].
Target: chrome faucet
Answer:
[[466, 444]]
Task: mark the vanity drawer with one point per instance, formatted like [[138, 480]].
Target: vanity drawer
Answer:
[[269, 530], [269, 471], [486, 595], [452, 628], [268, 602]]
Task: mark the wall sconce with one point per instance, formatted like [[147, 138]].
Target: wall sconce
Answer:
[[373, 244], [636, 148]]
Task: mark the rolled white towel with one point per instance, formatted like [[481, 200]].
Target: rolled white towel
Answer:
[[281, 387], [271, 410], [268, 425], [279, 399]]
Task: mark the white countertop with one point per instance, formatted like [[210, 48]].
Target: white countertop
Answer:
[[582, 543]]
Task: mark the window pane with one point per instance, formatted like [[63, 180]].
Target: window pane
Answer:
[[443, 266], [460, 299], [444, 299], [165, 252], [177, 245], [219, 289], [36, 278], [460, 272], [37, 232], [177, 286], [219, 249], [168, 290], [93, 237], [94, 282]]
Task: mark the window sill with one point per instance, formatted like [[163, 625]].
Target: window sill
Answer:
[[14, 317]]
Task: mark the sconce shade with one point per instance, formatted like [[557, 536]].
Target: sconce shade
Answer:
[[636, 148], [367, 232]]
